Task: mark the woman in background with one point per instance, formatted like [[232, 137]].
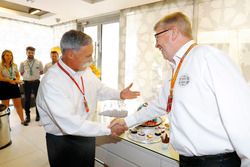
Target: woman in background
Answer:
[[9, 80]]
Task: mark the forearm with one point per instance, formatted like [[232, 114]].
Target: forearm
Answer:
[[6, 79]]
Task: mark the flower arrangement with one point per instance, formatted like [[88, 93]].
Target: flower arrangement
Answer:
[[95, 70]]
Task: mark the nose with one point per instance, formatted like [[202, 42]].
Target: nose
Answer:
[[157, 45]]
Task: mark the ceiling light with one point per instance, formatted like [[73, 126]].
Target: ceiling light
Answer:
[[92, 1], [34, 11]]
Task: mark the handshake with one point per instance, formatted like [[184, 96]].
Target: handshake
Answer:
[[118, 126]]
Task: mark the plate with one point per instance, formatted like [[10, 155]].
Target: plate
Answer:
[[145, 135], [152, 123]]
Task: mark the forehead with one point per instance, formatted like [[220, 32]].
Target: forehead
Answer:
[[87, 48], [30, 51], [54, 54], [162, 27], [7, 54]]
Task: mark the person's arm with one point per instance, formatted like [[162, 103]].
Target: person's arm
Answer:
[[155, 108], [45, 68], [107, 93], [128, 94], [58, 105], [233, 95], [4, 79], [18, 79], [21, 69], [40, 67]]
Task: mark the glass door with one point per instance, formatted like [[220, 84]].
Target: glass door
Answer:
[[106, 51]]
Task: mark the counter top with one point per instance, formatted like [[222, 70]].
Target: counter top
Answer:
[[159, 148], [166, 150]]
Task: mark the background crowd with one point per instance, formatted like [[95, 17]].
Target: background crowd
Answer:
[[31, 70]]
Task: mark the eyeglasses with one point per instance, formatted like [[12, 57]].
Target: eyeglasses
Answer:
[[156, 35]]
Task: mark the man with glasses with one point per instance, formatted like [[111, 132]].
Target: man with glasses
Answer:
[[206, 99]]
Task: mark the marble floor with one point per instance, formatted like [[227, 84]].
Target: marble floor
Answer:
[[28, 148]]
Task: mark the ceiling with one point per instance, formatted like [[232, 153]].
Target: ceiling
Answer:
[[60, 11]]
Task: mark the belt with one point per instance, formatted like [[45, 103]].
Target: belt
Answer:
[[209, 157], [32, 81], [71, 137]]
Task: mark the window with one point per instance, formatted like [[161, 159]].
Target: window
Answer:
[[105, 35]]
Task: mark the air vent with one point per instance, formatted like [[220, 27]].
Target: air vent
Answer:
[[92, 1]]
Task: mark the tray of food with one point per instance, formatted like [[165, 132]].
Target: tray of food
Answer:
[[146, 135], [152, 123]]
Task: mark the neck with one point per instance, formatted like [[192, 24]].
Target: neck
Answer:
[[69, 63], [30, 59], [7, 65], [53, 62]]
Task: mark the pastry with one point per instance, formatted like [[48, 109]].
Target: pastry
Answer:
[[141, 133], [165, 138], [133, 130], [157, 133], [149, 136]]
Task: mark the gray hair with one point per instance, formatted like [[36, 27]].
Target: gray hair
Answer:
[[74, 40]]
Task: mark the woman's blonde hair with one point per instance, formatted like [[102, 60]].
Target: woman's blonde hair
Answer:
[[3, 60], [179, 20]]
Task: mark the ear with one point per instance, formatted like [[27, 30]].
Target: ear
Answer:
[[70, 54], [175, 33]]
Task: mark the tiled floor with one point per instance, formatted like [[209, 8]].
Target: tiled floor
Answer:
[[28, 148]]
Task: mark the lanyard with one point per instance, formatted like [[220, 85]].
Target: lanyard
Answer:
[[10, 70], [30, 66], [174, 77], [81, 90]]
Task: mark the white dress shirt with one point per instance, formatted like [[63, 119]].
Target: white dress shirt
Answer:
[[61, 105], [211, 105], [35, 65]]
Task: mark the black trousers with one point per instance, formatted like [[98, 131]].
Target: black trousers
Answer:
[[70, 151], [219, 160], [29, 88]]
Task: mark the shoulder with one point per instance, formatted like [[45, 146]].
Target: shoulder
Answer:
[[208, 52], [24, 62], [37, 61], [14, 65], [48, 64], [50, 76]]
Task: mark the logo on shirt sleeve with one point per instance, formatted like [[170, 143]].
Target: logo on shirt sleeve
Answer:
[[184, 80]]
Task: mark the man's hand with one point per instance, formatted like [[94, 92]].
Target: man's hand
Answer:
[[118, 126], [128, 94]]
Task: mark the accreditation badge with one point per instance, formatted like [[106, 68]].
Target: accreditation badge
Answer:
[[184, 80]]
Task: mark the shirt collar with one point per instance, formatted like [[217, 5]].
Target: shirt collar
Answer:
[[70, 70], [180, 53], [67, 68]]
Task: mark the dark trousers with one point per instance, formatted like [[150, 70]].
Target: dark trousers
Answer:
[[219, 160], [29, 88], [70, 151]]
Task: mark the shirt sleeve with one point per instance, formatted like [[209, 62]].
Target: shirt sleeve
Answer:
[[104, 92], [41, 67], [45, 69], [155, 108], [21, 69], [59, 109], [233, 95]]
